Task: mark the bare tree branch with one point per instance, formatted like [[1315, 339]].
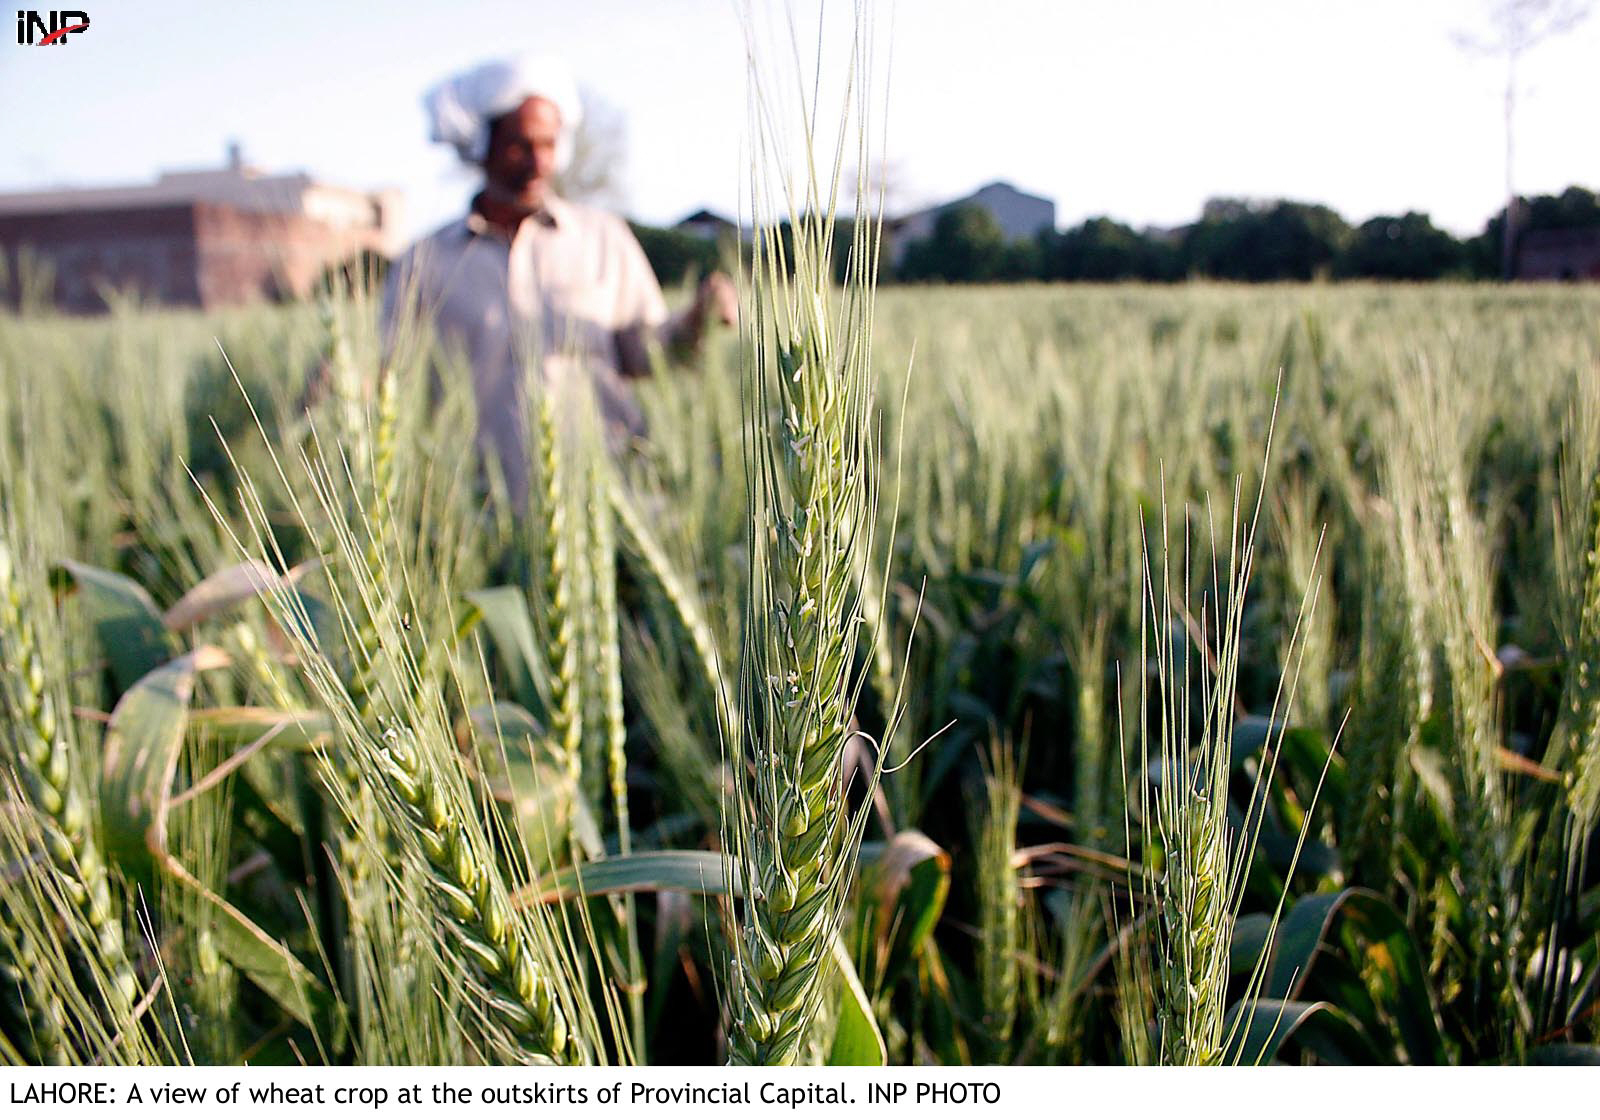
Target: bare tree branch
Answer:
[[599, 152], [1515, 27]]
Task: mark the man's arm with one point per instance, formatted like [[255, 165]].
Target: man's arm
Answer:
[[647, 326]]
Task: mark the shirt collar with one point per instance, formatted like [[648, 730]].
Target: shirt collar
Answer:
[[555, 214]]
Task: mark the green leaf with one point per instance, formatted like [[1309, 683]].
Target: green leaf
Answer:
[[268, 964], [1250, 734], [140, 758], [903, 887], [528, 775], [676, 921], [142, 749], [1308, 758], [694, 872], [941, 1027], [228, 588], [298, 730], [1298, 939], [1341, 984], [1250, 936], [124, 617], [1397, 978], [1257, 1030], [511, 725], [857, 1041], [504, 612], [1303, 755]]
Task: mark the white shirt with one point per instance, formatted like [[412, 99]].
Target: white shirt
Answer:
[[572, 288]]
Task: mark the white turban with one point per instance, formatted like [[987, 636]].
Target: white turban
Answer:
[[460, 108]]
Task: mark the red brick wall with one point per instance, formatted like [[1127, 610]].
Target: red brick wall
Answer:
[[194, 254], [244, 255], [150, 250]]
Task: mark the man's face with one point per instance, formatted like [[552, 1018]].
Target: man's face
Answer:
[[522, 152]]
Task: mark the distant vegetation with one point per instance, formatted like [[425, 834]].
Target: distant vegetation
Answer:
[[1233, 239]]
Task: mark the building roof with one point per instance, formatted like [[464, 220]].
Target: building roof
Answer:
[[1000, 186], [245, 185], [704, 217], [984, 194], [235, 184]]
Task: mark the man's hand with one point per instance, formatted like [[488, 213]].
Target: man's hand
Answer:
[[717, 297], [681, 335]]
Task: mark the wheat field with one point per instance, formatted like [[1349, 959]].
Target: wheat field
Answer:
[[1193, 674]]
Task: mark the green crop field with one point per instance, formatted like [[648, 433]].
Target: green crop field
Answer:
[[1184, 674]]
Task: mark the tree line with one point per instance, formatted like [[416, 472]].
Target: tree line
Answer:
[[1233, 239]]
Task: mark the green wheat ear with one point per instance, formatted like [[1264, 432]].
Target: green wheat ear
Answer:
[[812, 469], [20, 965], [1192, 857], [994, 831], [526, 1003], [559, 585], [42, 753], [473, 900]]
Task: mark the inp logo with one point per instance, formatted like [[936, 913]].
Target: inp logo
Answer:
[[34, 31]]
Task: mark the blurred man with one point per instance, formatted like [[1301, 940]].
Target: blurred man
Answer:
[[531, 280]]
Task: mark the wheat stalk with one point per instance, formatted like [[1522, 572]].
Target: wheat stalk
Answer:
[[605, 721], [1428, 479], [413, 779], [812, 471], [69, 996], [1196, 862], [650, 563], [1583, 671]]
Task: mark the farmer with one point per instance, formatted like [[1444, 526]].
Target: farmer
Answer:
[[529, 277]]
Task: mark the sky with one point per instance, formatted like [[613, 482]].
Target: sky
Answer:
[[1140, 110]]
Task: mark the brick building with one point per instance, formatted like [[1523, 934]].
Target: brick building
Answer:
[[1559, 254], [196, 238]]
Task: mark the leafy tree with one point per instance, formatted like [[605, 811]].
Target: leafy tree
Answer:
[[1023, 260], [1573, 208], [1103, 249], [674, 254], [1407, 247], [1264, 241], [967, 246]]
